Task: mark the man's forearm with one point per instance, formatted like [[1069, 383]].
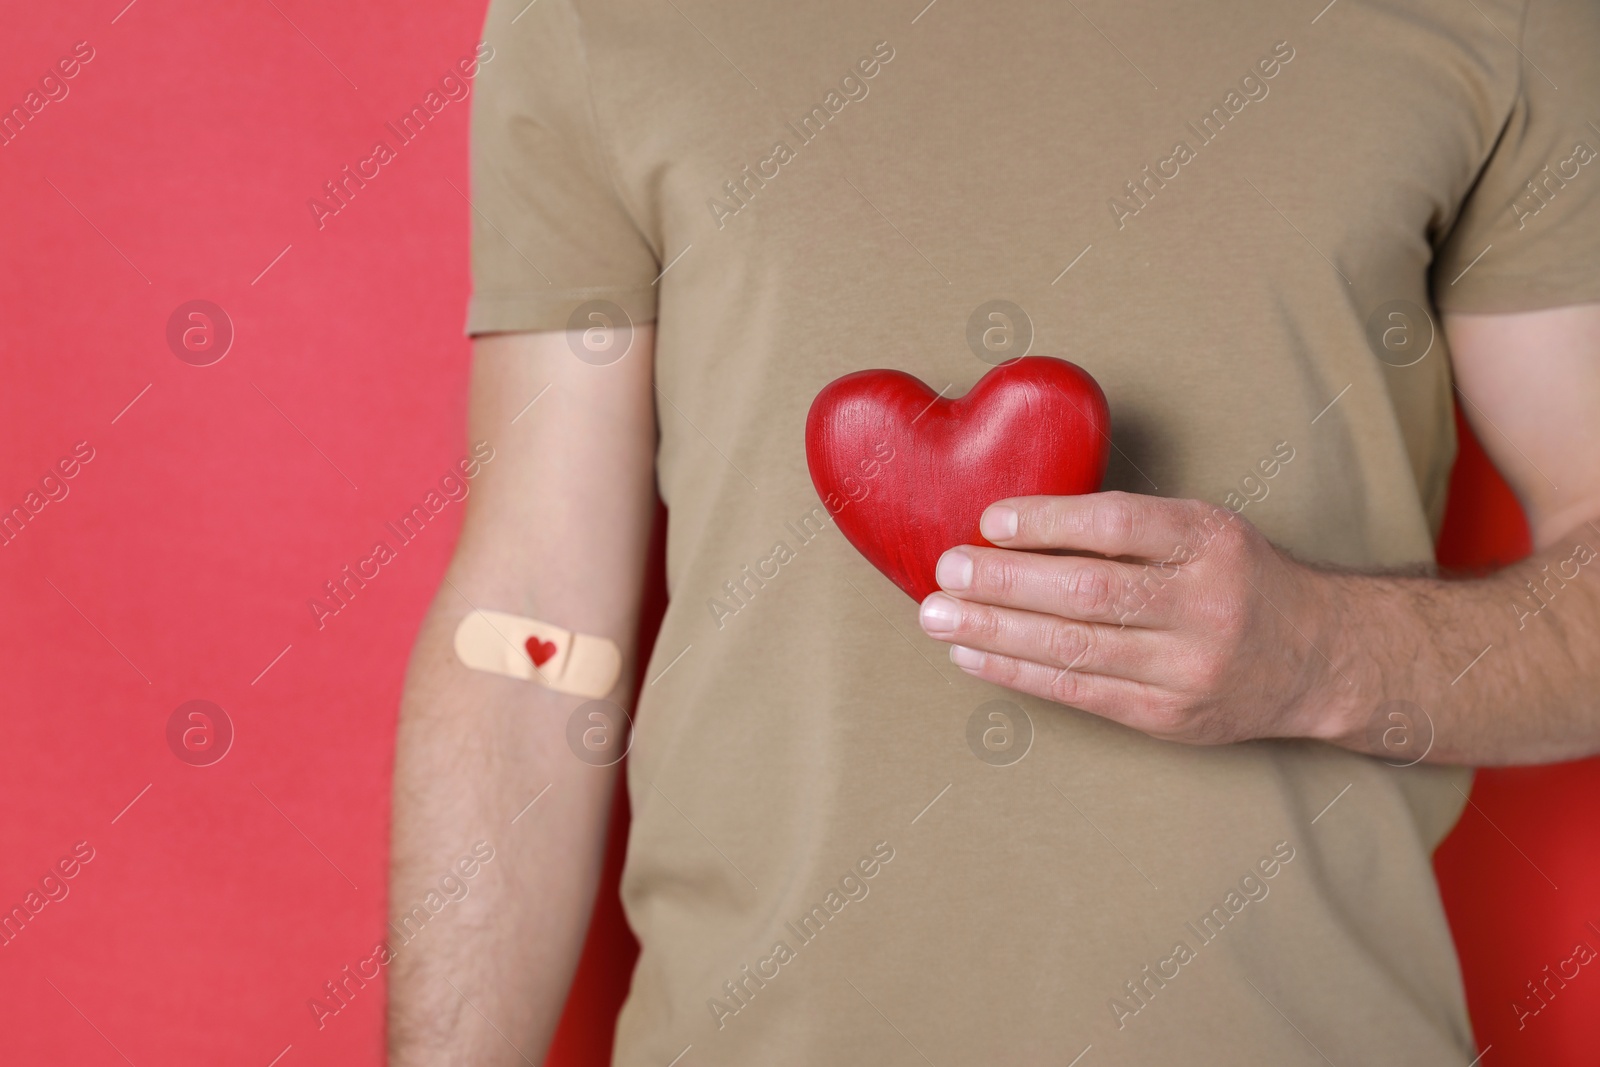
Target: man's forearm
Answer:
[[490, 970], [1506, 668], [556, 530]]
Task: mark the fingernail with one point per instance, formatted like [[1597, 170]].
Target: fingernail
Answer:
[[968, 659], [999, 523], [940, 614], [954, 570]]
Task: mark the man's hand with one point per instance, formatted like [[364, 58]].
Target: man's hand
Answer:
[[1177, 617]]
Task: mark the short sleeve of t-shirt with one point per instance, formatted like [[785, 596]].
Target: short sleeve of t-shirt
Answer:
[[1528, 235], [549, 231]]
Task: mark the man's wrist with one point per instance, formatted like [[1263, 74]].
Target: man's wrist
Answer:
[[1361, 626]]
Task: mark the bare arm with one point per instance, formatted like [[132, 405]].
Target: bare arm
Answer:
[[1197, 629], [1530, 385], [556, 529]]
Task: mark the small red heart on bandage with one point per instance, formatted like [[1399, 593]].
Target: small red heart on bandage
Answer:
[[540, 651]]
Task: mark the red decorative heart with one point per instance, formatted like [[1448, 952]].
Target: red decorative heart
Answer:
[[540, 651], [907, 474]]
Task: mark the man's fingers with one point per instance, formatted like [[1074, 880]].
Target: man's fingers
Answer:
[[1073, 587], [1130, 703], [1110, 650], [1110, 524]]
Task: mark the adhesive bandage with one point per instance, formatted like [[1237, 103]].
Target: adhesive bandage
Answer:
[[516, 647]]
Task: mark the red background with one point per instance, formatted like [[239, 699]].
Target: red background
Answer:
[[180, 565]]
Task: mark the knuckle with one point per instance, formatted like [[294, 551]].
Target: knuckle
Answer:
[[1043, 520], [1116, 519], [1206, 671], [1210, 527], [1069, 646], [979, 621], [1000, 574], [1066, 687], [996, 573], [1090, 590], [1232, 537], [1003, 670]]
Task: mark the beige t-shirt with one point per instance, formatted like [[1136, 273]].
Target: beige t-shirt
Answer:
[[1233, 215]]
